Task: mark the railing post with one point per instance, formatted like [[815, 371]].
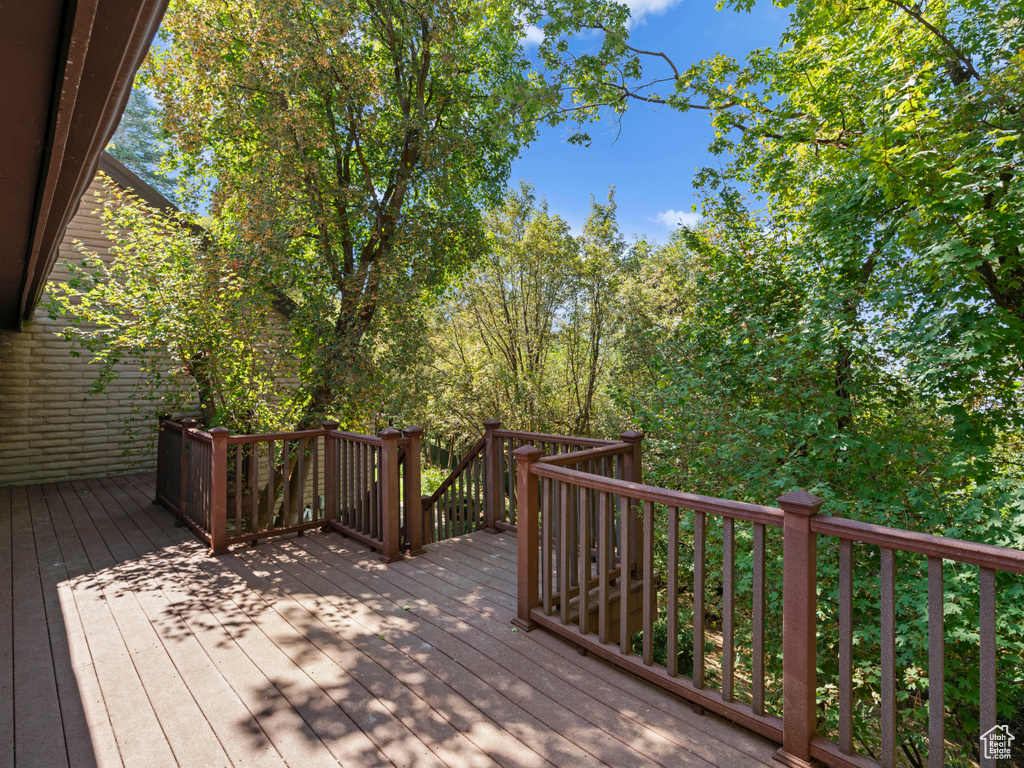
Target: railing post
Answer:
[[528, 536], [428, 522], [411, 491], [186, 425], [634, 472], [161, 458], [219, 491], [799, 628], [330, 474], [390, 499], [493, 495]]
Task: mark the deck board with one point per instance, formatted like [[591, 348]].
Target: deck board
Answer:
[[123, 643]]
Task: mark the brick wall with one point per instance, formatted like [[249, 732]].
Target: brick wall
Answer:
[[50, 427]]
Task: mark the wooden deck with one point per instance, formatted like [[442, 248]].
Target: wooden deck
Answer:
[[123, 643]]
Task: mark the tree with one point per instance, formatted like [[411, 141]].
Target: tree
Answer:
[[182, 303], [528, 335], [498, 327], [593, 315], [138, 142], [886, 134], [728, 366], [351, 145]]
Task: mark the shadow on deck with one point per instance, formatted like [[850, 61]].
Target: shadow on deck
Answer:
[[123, 643]]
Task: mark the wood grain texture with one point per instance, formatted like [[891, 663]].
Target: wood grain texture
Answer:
[[127, 645]]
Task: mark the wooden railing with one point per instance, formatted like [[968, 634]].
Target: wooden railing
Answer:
[[480, 492], [574, 578], [236, 488], [458, 504]]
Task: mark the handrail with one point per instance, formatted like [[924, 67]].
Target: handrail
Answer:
[[304, 434], [541, 437], [590, 454], [269, 477], [737, 510], [472, 453], [574, 578], [974, 553], [356, 437]]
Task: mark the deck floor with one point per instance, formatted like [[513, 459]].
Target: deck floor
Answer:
[[123, 643]]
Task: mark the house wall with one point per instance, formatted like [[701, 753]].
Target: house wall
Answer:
[[50, 427]]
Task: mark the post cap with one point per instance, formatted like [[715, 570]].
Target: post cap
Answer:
[[492, 423], [219, 433], [801, 502], [389, 434], [410, 431], [329, 424], [189, 423], [631, 436], [527, 454]]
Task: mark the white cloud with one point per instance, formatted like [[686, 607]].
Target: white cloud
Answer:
[[532, 35], [671, 219], [639, 9]]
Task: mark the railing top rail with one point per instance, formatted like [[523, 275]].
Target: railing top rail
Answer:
[[540, 437], [478, 446], [171, 424], [974, 553], [355, 437], [738, 510], [576, 457], [267, 436], [197, 434]]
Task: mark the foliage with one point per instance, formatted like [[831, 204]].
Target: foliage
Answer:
[[351, 146], [138, 142], [181, 303], [884, 135], [743, 397], [528, 334]]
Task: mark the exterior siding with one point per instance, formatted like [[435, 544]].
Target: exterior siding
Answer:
[[50, 427]]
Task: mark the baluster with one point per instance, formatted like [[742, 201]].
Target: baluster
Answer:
[[301, 480], [286, 481], [699, 552], [344, 484], [936, 664], [672, 599], [888, 670], [374, 469], [239, 481], [987, 667], [461, 510], [254, 482], [271, 486], [757, 688], [564, 558], [846, 646], [512, 516], [359, 472], [625, 571], [316, 507], [480, 491], [604, 556], [583, 514], [648, 575], [728, 611], [546, 513]]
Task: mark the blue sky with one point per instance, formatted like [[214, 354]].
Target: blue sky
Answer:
[[652, 162]]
